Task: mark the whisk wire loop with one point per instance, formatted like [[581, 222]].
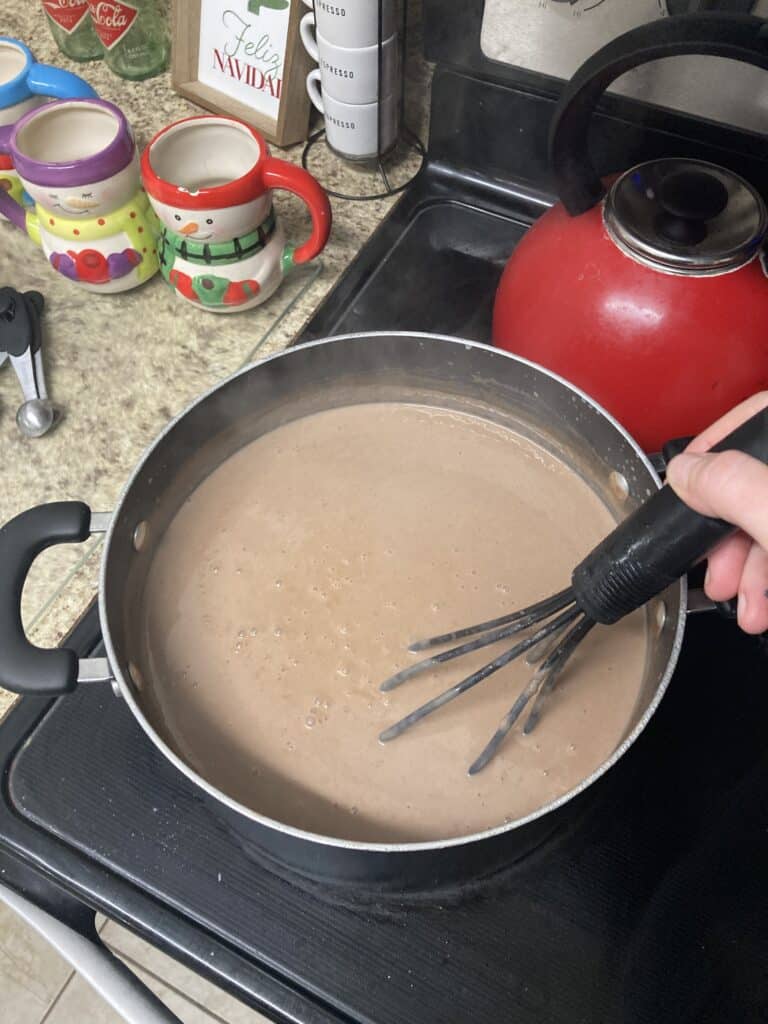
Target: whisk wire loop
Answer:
[[565, 617]]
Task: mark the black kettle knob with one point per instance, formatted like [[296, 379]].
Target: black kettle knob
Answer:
[[689, 199]]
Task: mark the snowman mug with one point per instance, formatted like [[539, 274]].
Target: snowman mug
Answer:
[[77, 160], [25, 84], [210, 179]]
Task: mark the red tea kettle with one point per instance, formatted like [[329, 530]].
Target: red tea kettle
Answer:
[[651, 294]]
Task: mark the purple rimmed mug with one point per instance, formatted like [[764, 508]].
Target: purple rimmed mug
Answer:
[[77, 160]]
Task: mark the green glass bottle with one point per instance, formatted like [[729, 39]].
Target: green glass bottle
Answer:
[[71, 26], [134, 34]]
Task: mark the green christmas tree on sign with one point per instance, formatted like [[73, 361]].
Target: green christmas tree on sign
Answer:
[[254, 6]]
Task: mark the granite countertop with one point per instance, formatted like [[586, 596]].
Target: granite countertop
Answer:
[[119, 367]]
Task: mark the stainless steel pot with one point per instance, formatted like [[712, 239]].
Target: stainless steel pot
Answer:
[[350, 369]]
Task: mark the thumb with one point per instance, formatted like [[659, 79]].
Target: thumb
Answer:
[[730, 485]]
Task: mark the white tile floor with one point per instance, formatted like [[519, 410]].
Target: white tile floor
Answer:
[[38, 987]]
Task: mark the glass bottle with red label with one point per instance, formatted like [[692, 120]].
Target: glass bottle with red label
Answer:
[[134, 34], [71, 26]]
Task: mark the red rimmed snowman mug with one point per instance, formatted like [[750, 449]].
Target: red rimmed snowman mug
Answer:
[[210, 180]]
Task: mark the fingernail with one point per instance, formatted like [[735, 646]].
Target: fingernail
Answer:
[[707, 579], [743, 605], [679, 469]]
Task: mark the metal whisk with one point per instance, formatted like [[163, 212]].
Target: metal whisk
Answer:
[[657, 544], [563, 613]]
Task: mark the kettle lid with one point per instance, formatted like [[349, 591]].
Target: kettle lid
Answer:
[[685, 216]]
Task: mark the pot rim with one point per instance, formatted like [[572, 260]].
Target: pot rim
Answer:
[[349, 844]]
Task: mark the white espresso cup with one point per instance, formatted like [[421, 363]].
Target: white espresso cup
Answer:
[[352, 129], [351, 75], [354, 23]]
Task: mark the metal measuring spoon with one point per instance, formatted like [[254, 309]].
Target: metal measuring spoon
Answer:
[[35, 417], [20, 338]]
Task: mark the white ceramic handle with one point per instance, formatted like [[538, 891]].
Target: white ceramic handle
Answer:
[[314, 90], [307, 33]]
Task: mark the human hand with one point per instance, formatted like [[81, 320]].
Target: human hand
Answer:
[[734, 487]]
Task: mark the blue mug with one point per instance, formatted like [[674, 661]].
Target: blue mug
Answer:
[[25, 84]]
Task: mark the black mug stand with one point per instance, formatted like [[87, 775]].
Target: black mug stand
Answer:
[[406, 138]]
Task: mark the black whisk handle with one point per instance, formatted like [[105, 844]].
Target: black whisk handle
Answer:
[[658, 543]]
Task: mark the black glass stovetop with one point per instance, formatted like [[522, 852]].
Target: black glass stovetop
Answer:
[[650, 908]]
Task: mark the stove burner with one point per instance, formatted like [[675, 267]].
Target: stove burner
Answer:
[[367, 896]]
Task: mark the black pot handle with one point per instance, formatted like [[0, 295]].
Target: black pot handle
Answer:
[[658, 543], [25, 668], [740, 37]]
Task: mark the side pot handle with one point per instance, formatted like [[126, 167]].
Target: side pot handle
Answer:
[[25, 668], [740, 37]]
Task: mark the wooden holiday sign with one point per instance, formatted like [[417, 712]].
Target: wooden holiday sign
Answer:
[[244, 58]]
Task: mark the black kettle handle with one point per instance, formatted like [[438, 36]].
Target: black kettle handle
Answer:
[[25, 668], [658, 543], [740, 37]]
